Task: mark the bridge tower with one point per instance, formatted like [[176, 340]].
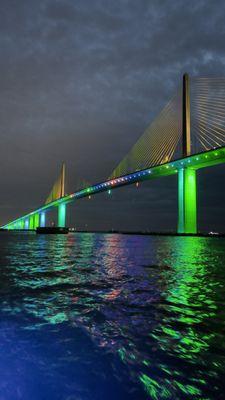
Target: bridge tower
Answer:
[[187, 194], [57, 193], [62, 206]]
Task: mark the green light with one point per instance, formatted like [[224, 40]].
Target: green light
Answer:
[[109, 191], [36, 220], [187, 213], [62, 215], [31, 222]]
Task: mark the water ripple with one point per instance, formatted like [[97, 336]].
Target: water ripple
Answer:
[[92, 316]]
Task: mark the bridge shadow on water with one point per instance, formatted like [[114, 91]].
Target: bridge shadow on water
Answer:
[[94, 316]]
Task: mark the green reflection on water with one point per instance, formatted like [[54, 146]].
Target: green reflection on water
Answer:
[[186, 330], [166, 342], [152, 387]]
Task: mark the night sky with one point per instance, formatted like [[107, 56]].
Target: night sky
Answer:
[[80, 81]]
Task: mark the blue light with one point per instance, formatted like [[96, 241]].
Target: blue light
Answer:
[[42, 222]]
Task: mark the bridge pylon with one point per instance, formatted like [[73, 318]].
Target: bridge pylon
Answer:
[[187, 201], [42, 219], [186, 118], [61, 215], [187, 184]]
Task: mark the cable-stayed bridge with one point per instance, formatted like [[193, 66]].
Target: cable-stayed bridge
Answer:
[[187, 135]]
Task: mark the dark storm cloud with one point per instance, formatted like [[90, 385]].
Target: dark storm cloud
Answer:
[[80, 80]]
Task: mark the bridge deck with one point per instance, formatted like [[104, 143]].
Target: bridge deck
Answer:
[[197, 161]]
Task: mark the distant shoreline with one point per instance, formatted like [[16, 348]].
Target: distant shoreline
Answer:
[[140, 233], [153, 233]]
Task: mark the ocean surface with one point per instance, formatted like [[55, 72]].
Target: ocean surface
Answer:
[[110, 317]]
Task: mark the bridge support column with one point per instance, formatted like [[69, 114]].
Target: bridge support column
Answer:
[[42, 219], [22, 224], [187, 201], [26, 224], [36, 220], [31, 222], [62, 215]]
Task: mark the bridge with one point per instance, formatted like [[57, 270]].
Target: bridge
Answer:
[[188, 135]]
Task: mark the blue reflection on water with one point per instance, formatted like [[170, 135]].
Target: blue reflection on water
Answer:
[[93, 316]]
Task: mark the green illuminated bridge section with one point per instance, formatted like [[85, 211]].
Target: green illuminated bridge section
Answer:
[[185, 168]]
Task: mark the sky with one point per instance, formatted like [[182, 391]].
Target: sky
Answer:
[[80, 81]]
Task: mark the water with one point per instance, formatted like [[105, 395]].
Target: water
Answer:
[[93, 317]]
